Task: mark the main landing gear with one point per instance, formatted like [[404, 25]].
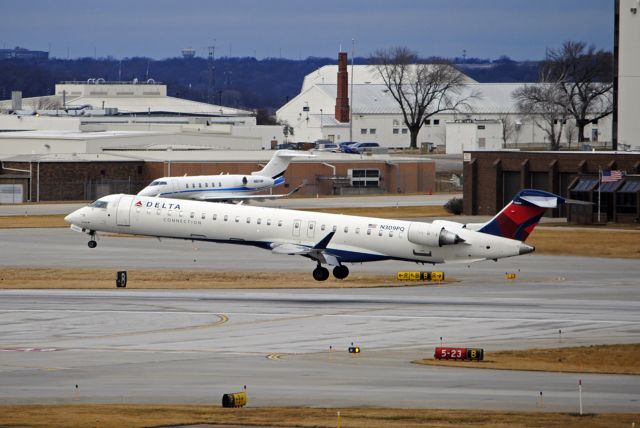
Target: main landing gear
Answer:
[[92, 243], [322, 274]]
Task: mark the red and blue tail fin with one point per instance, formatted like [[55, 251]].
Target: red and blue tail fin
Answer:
[[518, 219]]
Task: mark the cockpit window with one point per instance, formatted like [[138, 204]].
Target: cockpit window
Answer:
[[99, 204], [158, 183]]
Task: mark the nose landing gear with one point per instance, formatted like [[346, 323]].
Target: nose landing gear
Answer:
[[92, 243]]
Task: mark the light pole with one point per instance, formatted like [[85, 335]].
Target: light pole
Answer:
[[353, 49], [321, 133]]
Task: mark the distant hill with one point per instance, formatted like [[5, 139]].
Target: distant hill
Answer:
[[237, 82]]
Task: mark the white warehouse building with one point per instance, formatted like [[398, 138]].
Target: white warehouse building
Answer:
[[377, 117]]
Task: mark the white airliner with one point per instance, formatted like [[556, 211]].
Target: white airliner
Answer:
[[328, 239], [227, 187]]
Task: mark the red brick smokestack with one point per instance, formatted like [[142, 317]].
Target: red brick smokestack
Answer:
[[342, 98]]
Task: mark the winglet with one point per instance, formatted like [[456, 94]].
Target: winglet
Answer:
[[322, 245]]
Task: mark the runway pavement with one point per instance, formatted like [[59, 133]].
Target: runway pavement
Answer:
[[193, 346]]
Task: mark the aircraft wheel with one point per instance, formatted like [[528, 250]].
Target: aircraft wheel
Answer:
[[341, 272], [320, 273], [92, 244]]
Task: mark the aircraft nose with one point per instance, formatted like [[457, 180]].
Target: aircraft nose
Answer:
[[526, 249], [72, 218]]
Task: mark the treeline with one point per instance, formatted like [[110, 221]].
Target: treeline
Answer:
[[236, 82]]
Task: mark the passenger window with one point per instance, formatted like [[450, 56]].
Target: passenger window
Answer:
[[226, 218], [186, 186], [279, 223], [259, 221], [238, 219], [219, 184], [368, 231], [192, 214], [268, 222], [346, 229], [158, 212], [322, 227], [248, 219], [215, 216], [180, 213], [296, 225], [310, 226], [203, 216], [357, 230], [148, 211], [200, 185], [391, 234], [335, 228], [169, 213], [380, 232]]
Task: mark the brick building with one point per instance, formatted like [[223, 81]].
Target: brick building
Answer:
[[491, 179], [89, 176]]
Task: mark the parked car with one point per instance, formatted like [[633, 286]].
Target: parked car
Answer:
[[360, 147], [343, 145], [326, 147]]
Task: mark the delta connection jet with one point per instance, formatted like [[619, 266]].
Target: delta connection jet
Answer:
[[327, 239], [227, 187]]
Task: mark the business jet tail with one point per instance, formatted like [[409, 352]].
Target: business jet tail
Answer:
[[280, 162], [518, 219]]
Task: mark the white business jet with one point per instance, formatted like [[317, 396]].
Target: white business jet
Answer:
[[327, 239], [227, 187]]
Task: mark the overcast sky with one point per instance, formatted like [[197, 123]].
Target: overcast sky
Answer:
[[297, 28]]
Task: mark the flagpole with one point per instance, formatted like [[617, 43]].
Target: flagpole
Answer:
[[599, 186]]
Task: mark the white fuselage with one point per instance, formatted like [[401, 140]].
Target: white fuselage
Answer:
[[203, 187], [356, 239]]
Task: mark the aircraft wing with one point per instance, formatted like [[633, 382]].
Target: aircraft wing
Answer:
[[317, 252], [234, 198]]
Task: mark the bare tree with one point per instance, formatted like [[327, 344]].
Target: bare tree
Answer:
[[585, 78], [569, 133], [421, 90], [508, 128], [541, 103]]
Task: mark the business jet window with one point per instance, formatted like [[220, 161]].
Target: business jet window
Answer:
[[99, 204]]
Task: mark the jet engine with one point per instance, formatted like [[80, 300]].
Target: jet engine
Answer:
[[256, 181], [432, 236]]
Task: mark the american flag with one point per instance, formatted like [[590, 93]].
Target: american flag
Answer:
[[611, 176]]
